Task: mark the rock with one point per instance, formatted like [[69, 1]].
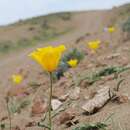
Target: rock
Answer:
[[31, 124], [123, 99], [4, 118], [62, 82], [86, 97], [56, 104], [58, 92], [98, 101], [16, 128], [39, 107], [84, 84], [65, 117], [113, 56], [63, 97], [123, 61], [120, 98], [125, 49], [72, 122], [68, 75], [75, 93]]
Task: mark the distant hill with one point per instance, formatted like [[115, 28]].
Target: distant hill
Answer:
[[43, 28]]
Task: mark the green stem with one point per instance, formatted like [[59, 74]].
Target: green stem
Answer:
[[9, 114], [111, 37], [50, 98]]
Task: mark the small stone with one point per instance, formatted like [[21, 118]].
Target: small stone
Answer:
[[99, 99], [62, 82], [72, 122], [4, 118], [121, 98], [58, 92], [75, 93], [63, 97], [39, 107], [113, 56], [16, 128], [65, 116], [56, 104], [84, 84], [124, 61], [31, 124], [86, 97]]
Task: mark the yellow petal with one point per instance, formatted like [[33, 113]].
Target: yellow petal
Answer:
[[17, 79], [111, 29], [94, 44], [48, 57], [73, 62]]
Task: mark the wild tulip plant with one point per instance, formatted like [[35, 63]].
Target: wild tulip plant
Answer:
[[94, 45], [17, 78], [111, 30], [49, 58]]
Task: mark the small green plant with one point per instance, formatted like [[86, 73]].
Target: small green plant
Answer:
[[125, 11], [111, 70], [9, 113], [104, 72], [34, 84], [73, 54], [2, 126], [16, 107], [45, 24], [63, 66], [22, 43], [50, 58], [6, 46], [65, 16], [126, 26], [9, 46], [97, 126]]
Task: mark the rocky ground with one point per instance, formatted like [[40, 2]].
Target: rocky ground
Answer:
[[72, 91]]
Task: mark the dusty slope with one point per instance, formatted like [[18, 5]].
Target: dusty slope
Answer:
[[91, 23]]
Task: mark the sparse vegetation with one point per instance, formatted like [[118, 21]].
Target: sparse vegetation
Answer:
[[126, 26], [97, 126], [45, 35], [65, 16], [6, 46], [40, 28], [104, 72], [50, 17], [125, 11], [74, 53], [16, 106], [75, 74]]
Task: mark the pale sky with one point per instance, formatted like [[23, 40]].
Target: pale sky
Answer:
[[13, 10]]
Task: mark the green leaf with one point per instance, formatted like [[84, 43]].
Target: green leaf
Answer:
[[97, 126]]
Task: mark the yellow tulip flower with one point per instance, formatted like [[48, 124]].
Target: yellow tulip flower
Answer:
[[48, 57], [73, 62], [94, 45], [111, 29], [17, 78]]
